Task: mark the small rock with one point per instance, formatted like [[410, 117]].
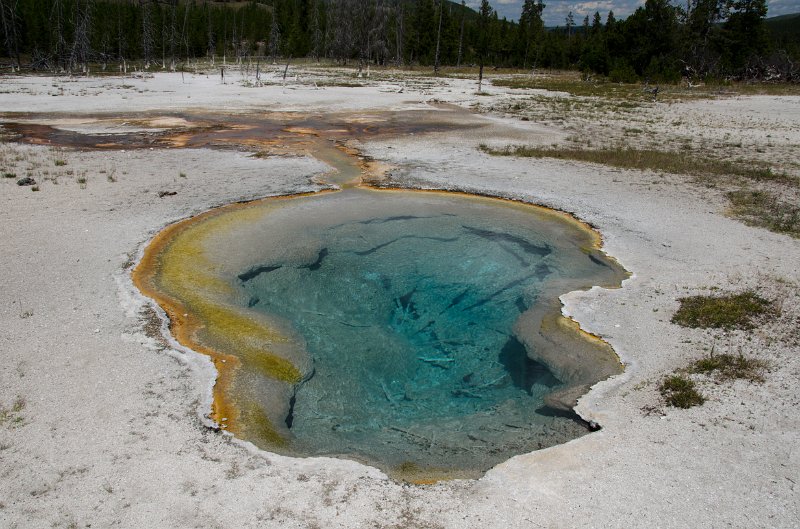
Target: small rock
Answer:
[[163, 194], [27, 181]]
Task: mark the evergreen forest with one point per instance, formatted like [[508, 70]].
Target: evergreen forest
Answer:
[[661, 41]]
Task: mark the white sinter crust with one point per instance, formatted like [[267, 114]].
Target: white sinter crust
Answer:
[[109, 433]]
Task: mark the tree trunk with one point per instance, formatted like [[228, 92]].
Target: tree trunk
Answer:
[[438, 38], [461, 38], [147, 33]]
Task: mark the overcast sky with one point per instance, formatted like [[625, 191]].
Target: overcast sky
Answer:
[[557, 10]]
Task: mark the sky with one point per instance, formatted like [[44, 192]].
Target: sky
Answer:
[[556, 10]]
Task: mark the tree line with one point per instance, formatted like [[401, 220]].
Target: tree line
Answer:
[[660, 40]]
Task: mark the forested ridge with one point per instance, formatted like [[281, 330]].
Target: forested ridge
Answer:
[[661, 40]]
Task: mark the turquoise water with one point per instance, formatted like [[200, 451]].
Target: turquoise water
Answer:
[[408, 307]]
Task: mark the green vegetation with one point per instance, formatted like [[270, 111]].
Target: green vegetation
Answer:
[[732, 311], [730, 367], [60, 163], [9, 175], [632, 91], [680, 392], [629, 92], [647, 159], [11, 416], [766, 210], [660, 41], [727, 311]]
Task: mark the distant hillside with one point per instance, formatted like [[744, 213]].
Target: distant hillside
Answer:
[[779, 18], [785, 32], [784, 24]]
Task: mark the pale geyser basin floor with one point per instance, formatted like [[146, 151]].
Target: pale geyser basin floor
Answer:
[[114, 416], [396, 328]]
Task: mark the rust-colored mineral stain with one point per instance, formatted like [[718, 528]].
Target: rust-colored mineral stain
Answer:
[[201, 131], [184, 324]]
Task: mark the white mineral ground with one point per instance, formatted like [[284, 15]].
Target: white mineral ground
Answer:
[[111, 433]]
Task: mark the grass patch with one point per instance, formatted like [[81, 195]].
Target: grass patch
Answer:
[[60, 163], [574, 85], [340, 84], [9, 175], [680, 392], [733, 311], [765, 210], [730, 367], [648, 159], [752, 88], [11, 416]]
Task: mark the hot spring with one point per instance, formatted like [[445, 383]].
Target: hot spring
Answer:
[[417, 332]]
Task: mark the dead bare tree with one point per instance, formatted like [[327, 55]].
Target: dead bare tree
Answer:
[[376, 23], [123, 65], [147, 32], [274, 38], [9, 19], [59, 50], [211, 45], [242, 44], [172, 33], [342, 27], [461, 37], [234, 40], [317, 38], [399, 27], [185, 33], [79, 54], [438, 38]]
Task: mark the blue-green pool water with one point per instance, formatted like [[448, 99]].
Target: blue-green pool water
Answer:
[[408, 303]]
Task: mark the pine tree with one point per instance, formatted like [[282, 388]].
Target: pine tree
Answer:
[[597, 23], [744, 31], [484, 37]]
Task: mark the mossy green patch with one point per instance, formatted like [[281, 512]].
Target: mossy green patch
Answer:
[[674, 162], [680, 392], [729, 367], [766, 210], [733, 311]]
